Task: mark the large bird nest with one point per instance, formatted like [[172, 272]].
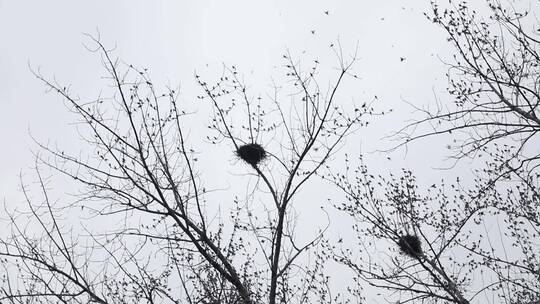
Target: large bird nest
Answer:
[[410, 245], [252, 153]]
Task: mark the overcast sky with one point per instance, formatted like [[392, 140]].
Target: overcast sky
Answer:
[[176, 38]]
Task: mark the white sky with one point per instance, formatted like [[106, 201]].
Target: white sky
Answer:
[[175, 38]]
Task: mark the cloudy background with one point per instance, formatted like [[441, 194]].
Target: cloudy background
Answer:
[[176, 38], [400, 61]]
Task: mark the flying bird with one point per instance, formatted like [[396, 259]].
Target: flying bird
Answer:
[[327, 12], [313, 32], [401, 59]]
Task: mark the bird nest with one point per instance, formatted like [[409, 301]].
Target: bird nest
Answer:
[[252, 154], [410, 245]]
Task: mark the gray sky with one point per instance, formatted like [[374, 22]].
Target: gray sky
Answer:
[[175, 38]]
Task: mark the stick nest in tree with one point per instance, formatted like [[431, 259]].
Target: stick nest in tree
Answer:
[[252, 154], [410, 245]]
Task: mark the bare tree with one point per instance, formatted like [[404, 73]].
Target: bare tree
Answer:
[[453, 242], [494, 81], [442, 243], [161, 243]]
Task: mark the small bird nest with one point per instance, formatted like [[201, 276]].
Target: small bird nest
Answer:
[[410, 245], [252, 154]]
